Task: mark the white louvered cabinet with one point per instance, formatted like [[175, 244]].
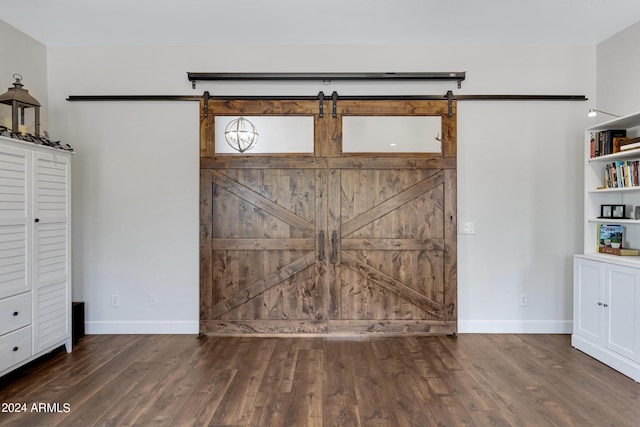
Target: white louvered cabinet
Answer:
[[35, 251]]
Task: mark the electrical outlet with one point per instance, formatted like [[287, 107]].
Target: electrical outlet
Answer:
[[115, 300], [153, 300], [524, 301]]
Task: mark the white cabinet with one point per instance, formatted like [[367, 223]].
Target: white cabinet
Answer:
[[35, 251], [606, 306]]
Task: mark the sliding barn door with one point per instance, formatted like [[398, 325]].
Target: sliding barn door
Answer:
[[347, 236]]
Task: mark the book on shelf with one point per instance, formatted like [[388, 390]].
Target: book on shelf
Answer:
[[619, 251], [630, 144], [622, 174], [609, 235], [607, 142], [617, 141]]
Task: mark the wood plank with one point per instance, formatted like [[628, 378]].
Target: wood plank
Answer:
[[339, 385], [391, 327], [393, 285], [306, 404], [393, 244], [262, 107], [334, 219], [390, 204], [393, 107], [262, 244], [414, 162], [206, 258], [270, 408], [236, 406], [268, 326], [376, 404], [262, 203], [451, 247], [449, 133], [207, 132], [288, 161]]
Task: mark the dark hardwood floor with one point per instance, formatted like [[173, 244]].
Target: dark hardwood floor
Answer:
[[178, 380]]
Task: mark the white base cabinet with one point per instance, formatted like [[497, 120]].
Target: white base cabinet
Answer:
[[606, 312], [35, 251]]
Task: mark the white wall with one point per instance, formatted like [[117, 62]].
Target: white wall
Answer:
[[25, 56], [618, 73], [135, 174]]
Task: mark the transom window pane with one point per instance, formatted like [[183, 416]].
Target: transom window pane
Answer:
[[391, 134], [276, 134]]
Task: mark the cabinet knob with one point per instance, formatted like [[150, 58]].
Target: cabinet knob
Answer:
[[599, 303], [37, 220], [15, 348], [15, 313], [606, 305]]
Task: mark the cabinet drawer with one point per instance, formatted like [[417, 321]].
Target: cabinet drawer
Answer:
[[15, 347], [15, 312]]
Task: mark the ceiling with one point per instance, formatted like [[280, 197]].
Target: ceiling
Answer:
[[303, 22]]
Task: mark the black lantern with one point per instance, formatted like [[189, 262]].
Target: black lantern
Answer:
[[20, 111]]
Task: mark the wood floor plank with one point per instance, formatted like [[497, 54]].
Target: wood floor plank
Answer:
[[374, 398], [236, 406], [339, 394], [177, 380]]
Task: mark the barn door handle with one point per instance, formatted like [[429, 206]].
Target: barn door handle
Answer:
[[321, 243], [334, 249]]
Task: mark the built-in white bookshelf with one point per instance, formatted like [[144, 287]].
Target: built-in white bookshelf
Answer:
[[606, 288], [596, 195]]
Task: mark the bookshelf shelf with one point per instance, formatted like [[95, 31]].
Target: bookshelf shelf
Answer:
[[613, 220], [623, 155], [614, 190]]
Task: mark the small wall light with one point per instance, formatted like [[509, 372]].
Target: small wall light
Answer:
[[241, 134], [593, 112]]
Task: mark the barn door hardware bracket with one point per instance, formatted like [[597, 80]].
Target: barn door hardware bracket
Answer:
[[321, 101], [334, 98], [450, 103], [205, 95]]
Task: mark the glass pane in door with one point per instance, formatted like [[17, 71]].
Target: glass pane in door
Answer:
[[276, 134], [391, 134]]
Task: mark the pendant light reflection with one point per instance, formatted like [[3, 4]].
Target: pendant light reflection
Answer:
[[241, 134]]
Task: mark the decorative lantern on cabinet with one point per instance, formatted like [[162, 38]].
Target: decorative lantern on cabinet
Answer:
[[20, 111]]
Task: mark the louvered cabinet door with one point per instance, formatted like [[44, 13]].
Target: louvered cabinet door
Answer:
[[14, 230], [51, 252]]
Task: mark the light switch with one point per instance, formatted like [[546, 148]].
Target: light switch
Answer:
[[468, 228]]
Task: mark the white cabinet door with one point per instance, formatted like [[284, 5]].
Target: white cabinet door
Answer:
[[52, 258], [622, 319], [588, 299], [14, 229]]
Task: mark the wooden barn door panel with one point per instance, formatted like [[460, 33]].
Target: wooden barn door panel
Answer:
[[394, 250], [332, 242], [264, 274]]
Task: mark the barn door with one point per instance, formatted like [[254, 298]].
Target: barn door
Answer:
[[329, 236], [393, 215]]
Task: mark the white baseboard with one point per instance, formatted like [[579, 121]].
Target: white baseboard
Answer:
[[142, 327], [515, 326]]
